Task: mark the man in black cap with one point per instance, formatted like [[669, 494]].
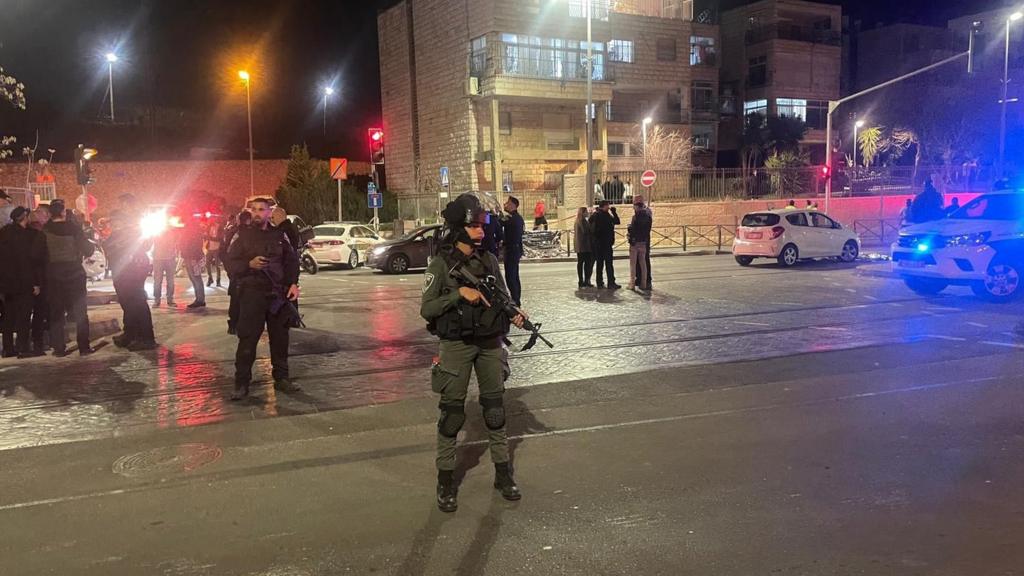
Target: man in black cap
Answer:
[[603, 222], [66, 247], [266, 268], [22, 268]]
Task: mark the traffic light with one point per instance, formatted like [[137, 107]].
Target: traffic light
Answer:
[[82, 157], [826, 172], [376, 137]]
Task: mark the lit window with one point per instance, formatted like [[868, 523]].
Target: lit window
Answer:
[[620, 51], [702, 51], [791, 107], [755, 107]]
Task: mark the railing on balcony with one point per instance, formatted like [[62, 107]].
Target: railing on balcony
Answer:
[[635, 115], [795, 32], [530, 61]]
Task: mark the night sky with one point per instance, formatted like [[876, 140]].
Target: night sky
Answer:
[[179, 60]]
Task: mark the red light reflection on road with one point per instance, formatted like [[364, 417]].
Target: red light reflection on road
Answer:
[[187, 389]]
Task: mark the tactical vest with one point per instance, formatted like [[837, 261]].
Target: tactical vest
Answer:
[[62, 248], [467, 321]]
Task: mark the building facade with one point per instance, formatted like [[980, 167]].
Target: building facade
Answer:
[[495, 90], [784, 58]]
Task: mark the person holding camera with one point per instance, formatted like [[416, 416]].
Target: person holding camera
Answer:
[[266, 268]]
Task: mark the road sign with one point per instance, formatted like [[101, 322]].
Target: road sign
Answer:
[[371, 188], [375, 200], [444, 177], [648, 178], [339, 168]]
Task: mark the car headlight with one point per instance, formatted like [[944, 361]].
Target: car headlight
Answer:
[[379, 250], [964, 240]]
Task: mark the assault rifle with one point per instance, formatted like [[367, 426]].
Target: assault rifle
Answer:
[[488, 286]]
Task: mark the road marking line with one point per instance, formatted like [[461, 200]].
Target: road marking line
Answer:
[[753, 323], [977, 325], [949, 338], [829, 328], [1003, 344], [563, 432]]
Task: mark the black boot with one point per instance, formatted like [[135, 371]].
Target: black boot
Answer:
[[447, 491], [241, 391], [504, 482]]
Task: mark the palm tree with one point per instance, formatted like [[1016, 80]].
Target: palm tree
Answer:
[[871, 143]]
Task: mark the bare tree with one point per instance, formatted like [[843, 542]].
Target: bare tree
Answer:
[[12, 92], [666, 149]]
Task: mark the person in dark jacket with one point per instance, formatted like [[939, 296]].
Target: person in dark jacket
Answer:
[[639, 234], [126, 250], [192, 252], [243, 220], [494, 233], [515, 227], [22, 272], [66, 247], [266, 267], [927, 205], [603, 223], [584, 249]]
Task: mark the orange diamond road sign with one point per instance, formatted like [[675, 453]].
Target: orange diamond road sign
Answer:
[[339, 168]]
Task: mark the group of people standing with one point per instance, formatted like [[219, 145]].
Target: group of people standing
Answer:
[[42, 281], [595, 242]]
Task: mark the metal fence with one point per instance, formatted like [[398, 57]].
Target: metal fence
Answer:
[[715, 184], [685, 237]]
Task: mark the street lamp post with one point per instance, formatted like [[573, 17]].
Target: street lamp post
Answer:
[[643, 129], [856, 125], [590, 105], [244, 75], [1006, 80], [327, 92], [111, 58]]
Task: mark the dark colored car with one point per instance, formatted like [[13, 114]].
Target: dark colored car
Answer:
[[410, 251]]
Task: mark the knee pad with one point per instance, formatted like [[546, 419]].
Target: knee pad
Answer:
[[453, 416], [494, 412]]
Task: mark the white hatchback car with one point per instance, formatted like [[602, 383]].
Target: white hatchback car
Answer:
[[792, 235], [345, 243]]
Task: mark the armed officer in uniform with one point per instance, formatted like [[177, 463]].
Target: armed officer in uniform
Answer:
[[471, 334], [266, 268]]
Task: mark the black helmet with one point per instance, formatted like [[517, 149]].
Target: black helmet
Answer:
[[457, 215]]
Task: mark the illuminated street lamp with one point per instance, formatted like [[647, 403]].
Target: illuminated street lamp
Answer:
[[856, 125], [111, 58], [328, 91], [244, 75], [643, 128], [1006, 80]]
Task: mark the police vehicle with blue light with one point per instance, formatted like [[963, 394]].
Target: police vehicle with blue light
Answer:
[[981, 245]]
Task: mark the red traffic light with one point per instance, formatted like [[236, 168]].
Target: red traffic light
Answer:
[[826, 171], [376, 145]]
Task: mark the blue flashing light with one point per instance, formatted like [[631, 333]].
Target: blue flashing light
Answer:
[[922, 247]]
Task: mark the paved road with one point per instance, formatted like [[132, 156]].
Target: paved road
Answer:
[[821, 420]]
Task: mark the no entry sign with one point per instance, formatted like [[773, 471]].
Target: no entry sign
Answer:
[[648, 178]]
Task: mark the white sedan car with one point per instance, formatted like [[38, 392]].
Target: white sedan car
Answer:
[[792, 235], [345, 243]]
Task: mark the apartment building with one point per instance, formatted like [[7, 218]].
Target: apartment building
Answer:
[[495, 90], [780, 57]]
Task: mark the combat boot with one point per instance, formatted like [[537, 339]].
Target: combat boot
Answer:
[[504, 482], [447, 491]]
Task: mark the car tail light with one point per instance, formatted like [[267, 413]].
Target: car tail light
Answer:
[[777, 231], [335, 242]]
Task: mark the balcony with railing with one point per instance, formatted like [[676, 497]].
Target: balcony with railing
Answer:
[[795, 32], [510, 69], [631, 114]]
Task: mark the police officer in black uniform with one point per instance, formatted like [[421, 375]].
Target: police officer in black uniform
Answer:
[[243, 219], [471, 333], [266, 268]]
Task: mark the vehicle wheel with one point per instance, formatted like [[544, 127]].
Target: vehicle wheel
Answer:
[[309, 265], [1002, 281], [850, 252], [744, 260], [353, 259], [789, 255], [925, 286], [398, 264]]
